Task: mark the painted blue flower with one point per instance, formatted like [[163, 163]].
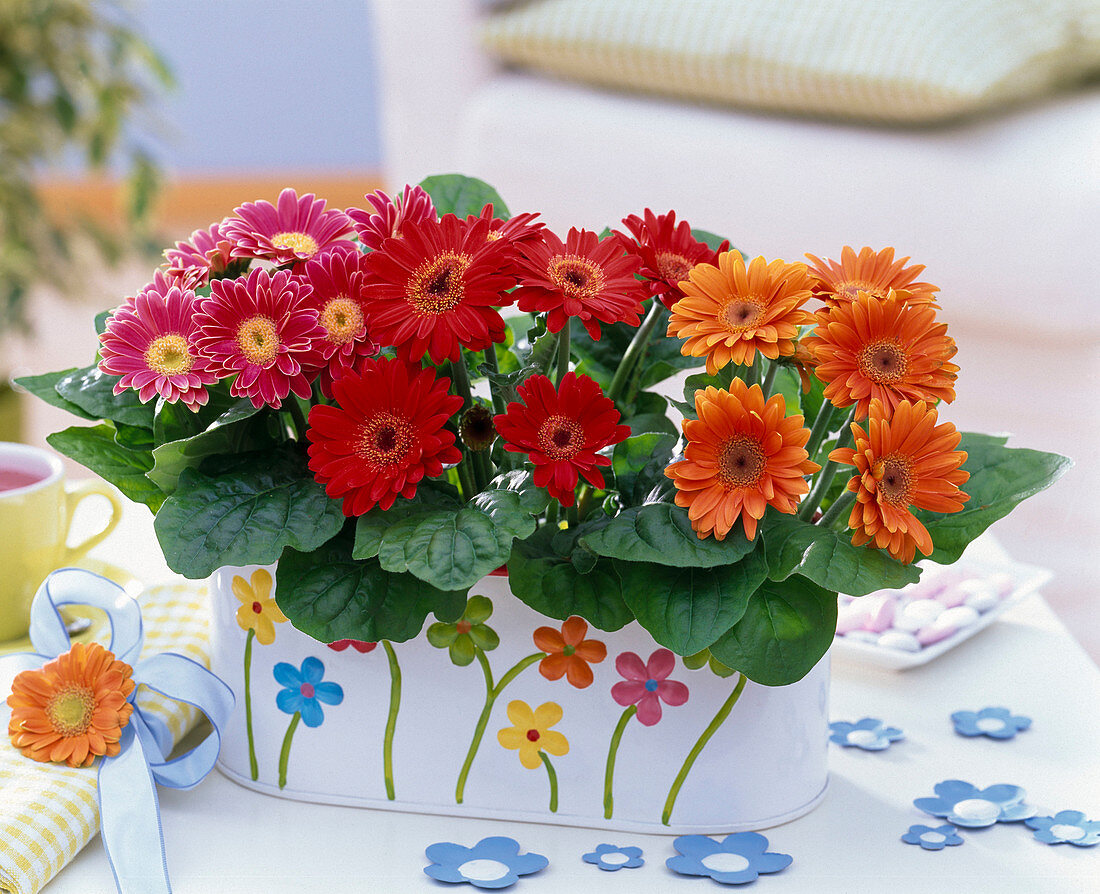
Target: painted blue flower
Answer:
[[869, 734], [612, 857], [964, 805], [997, 723], [735, 860], [491, 863], [1065, 827], [932, 838], [304, 690]]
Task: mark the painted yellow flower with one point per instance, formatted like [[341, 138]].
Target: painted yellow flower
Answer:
[[258, 610], [531, 733]]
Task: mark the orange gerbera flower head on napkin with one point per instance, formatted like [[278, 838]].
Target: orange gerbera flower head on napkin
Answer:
[[73, 709], [874, 272], [743, 454], [885, 349], [903, 460], [731, 311]]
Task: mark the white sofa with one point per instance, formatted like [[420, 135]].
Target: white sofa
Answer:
[[1004, 211]]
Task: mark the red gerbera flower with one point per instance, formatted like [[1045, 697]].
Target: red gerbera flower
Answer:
[[297, 230], [561, 430], [262, 330], [384, 437], [514, 232], [207, 252], [338, 281], [667, 252], [389, 217], [584, 277], [436, 288]]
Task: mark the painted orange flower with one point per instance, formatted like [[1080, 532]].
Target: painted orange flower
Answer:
[[731, 311], [743, 454], [885, 349], [568, 653], [258, 610], [903, 460], [73, 709], [874, 272]]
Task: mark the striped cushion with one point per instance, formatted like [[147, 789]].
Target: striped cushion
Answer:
[[885, 60]]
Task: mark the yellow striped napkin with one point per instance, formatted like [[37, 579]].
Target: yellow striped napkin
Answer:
[[48, 812]]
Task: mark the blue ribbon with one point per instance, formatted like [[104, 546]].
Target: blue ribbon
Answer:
[[128, 808]]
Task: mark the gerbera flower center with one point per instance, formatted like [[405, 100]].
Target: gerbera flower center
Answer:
[[299, 243], [169, 355], [883, 362], [258, 339], [385, 439], [438, 284], [533, 735], [742, 314], [493, 235], [741, 462], [896, 479], [560, 437], [576, 277], [476, 428], [342, 319], [70, 710], [673, 267]]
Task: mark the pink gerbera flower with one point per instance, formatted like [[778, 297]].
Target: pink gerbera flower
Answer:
[[297, 230], [647, 685], [338, 280], [414, 205], [207, 252], [262, 330], [150, 342]]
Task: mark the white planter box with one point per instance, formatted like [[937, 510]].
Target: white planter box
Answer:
[[765, 764]]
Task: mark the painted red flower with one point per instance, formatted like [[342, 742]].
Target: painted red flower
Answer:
[[667, 251], [583, 277], [436, 288], [296, 230], [206, 252], [389, 216], [359, 645], [647, 685], [385, 436], [561, 431], [262, 330]]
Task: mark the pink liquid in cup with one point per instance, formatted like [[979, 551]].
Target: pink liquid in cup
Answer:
[[12, 479]]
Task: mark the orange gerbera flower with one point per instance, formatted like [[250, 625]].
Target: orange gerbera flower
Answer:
[[904, 460], [730, 312], [742, 455], [73, 709], [568, 653], [874, 272], [887, 349]]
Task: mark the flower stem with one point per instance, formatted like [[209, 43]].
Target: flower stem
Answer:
[[499, 405], [284, 755], [553, 781], [461, 377], [391, 720], [689, 761], [752, 373], [840, 506], [769, 378], [821, 427], [563, 352], [612, 751], [300, 423], [248, 704], [634, 350], [492, 693], [826, 475]]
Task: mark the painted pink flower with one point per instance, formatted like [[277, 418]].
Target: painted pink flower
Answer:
[[359, 645], [338, 280], [647, 685], [150, 341], [205, 253], [295, 231], [262, 330], [414, 205]]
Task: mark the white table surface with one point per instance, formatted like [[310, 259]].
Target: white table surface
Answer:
[[224, 839]]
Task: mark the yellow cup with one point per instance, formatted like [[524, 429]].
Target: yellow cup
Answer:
[[36, 510]]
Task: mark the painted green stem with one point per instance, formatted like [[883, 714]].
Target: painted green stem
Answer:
[[563, 353], [634, 351], [553, 781], [284, 755], [255, 767], [612, 751], [391, 720], [492, 693], [689, 761]]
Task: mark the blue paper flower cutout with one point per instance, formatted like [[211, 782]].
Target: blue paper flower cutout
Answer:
[[304, 690], [964, 805], [1065, 827], [491, 863], [997, 723], [735, 860], [932, 838], [869, 734], [612, 857]]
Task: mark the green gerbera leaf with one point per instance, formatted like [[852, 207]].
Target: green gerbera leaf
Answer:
[[93, 391], [96, 448], [463, 196]]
